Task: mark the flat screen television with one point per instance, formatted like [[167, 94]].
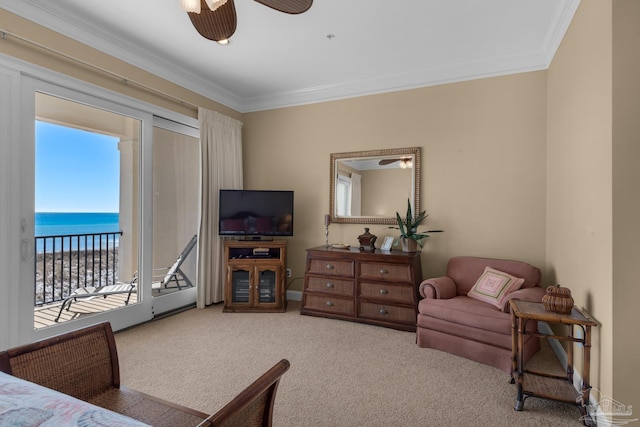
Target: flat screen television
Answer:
[[256, 213]]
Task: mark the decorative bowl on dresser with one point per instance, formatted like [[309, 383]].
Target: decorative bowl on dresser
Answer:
[[379, 288]]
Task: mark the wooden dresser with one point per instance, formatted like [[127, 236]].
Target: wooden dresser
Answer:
[[380, 288]]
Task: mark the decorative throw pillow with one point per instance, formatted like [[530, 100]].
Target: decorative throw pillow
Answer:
[[494, 286]]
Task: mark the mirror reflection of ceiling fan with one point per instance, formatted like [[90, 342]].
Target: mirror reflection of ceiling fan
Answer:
[[405, 162], [216, 19]]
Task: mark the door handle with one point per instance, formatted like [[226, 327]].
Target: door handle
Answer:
[[24, 249]]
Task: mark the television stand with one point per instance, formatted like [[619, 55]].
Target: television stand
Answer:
[[254, 276]]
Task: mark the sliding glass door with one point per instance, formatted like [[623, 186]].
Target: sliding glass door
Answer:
[[86, 211], [176, 179]]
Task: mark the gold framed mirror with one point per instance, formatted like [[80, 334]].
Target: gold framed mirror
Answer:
[[369, 187]]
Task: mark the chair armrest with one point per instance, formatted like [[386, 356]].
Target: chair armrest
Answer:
[[438, 288], [254, 405], [533, 294]]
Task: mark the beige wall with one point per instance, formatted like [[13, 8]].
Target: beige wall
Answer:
[[592, 196], [483, 176], [579, 220], [626, 201]]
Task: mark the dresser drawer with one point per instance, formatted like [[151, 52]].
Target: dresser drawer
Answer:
[[386, 271], [331, 267], [387, 312], [330, 285], [388, 292], [329, 304], [378, 288]]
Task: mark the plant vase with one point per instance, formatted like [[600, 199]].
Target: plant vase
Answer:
[[410, 237], [409, 245]]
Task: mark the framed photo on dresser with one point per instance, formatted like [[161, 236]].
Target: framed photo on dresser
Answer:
[[386, 243]]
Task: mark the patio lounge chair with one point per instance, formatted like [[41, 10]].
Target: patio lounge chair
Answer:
[[173, 278]]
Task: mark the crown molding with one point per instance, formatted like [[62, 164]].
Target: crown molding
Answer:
[[50, 16], [515, 64], [558, 29], [403, 81]]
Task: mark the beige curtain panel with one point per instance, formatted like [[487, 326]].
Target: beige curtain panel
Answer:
[[221, 159]]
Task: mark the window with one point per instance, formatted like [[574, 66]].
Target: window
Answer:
[[86, 205], [343, 196]]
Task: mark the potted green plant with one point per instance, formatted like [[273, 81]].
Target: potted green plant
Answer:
[[408, 226]]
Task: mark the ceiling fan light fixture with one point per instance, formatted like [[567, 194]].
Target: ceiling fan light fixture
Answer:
[[214, 4], [406, 163], [216, 19], [223, 42], [190, 5]]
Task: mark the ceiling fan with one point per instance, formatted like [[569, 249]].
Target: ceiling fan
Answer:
[[405, 162], [216, 19]]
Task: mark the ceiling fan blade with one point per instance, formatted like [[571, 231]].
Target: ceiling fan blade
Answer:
[[388, 161], [288, 6], [216, 25]]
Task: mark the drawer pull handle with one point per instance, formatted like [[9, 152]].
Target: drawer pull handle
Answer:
[[384, 291], [329, 285], [330, 267], [329, 304], [383, 311], [383, 271]]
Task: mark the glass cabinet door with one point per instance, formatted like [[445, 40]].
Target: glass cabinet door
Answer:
[[241, 287], [267, 286]]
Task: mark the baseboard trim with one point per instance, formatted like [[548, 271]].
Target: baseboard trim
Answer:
[[561, 354], [558, 350], [294, 295]]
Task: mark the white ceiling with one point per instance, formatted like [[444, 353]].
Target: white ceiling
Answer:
[[276, 60]]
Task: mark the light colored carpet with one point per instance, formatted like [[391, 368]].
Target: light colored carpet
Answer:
[[342, 373]]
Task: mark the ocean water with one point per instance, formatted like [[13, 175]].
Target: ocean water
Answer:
[[53, 225]]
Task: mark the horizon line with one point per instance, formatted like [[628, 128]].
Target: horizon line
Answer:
[[75, 212]]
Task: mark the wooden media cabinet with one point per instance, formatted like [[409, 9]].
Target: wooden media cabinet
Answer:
[[255, 271]]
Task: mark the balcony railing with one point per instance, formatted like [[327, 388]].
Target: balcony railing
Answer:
[[65, 263]]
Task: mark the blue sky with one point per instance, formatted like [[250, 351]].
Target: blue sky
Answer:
[[76, 170]]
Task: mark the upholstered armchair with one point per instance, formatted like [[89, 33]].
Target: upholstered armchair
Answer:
[[477, 325]]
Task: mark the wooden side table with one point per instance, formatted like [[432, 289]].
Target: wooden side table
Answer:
[[544, 385]]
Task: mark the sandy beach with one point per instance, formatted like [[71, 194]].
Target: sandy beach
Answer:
[[58, 274]]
